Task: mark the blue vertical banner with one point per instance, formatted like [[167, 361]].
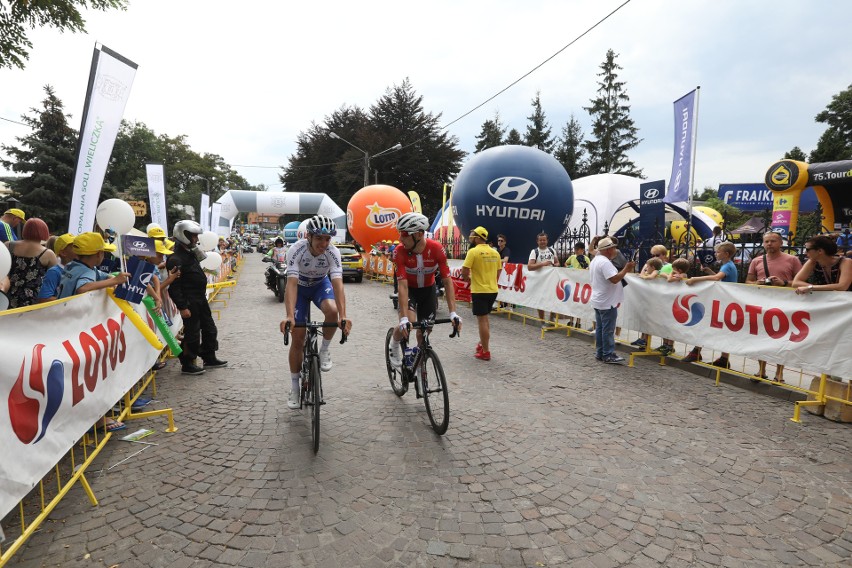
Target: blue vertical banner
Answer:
[[685, 115], [652, 216], [141, 273]]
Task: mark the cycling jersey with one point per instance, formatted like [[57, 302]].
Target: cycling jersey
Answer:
[[310, 269], [419, 269]]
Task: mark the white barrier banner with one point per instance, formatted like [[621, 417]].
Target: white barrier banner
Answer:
[[564, 291], [809, 332], [62, 367], [110, 80], [157, 194]]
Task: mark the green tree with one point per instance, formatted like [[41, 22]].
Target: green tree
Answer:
[[613, 131], [47, 157], [514, 138], [491, 134], [569, 149], [18, 17], [831, 147], [796, 154], [538, 133], [838, 114]]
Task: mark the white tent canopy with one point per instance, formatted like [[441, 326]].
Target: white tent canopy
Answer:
[[276, 203]]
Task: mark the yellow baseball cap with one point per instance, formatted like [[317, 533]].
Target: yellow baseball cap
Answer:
[[91, 243], [162, 249], [17, 213], [156, 233], [62, 241], [480, 232], [170, 244]]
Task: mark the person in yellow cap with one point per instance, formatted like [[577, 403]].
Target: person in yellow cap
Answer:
[[65, 253], [9, 222], [162, 278], [480, 268], [81, 275], [156, 232]]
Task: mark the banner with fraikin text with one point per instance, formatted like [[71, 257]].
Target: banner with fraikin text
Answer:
[[684, 146], [204, 212], [157, 194], [110, 80]]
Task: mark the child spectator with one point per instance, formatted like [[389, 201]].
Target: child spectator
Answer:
[[578, 259], [81, 275], [65, 253]]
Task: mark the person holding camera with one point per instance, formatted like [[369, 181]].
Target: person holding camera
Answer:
[[773, 268]]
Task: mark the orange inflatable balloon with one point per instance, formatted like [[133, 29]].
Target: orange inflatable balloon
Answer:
[[372, 214]]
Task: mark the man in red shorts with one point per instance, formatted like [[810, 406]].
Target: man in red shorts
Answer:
[[417, 260]]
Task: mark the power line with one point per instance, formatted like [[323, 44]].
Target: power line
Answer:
[[14, 121]]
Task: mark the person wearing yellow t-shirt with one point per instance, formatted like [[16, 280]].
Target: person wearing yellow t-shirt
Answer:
[[481, 267]]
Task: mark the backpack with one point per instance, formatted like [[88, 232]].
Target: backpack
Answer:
[[551, 249]]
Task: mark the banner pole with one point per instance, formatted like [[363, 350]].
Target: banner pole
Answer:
[[694, 143]]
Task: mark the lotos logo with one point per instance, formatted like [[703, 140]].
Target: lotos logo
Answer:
[[380, 217], [686, 315], [24, 408], [513, 189], [563, 290]]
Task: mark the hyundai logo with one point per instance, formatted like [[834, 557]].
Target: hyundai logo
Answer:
[[145, 278], [652, 193], [513, 189], [140, 244]]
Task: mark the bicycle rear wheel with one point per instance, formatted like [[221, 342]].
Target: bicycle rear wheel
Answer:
[[397, 380], [434, 391], [316, 401]]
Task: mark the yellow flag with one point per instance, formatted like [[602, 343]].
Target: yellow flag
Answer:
[[415, 202]]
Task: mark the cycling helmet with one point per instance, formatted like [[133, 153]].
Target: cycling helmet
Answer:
[[185, 228], [321, 225], [412, 223]]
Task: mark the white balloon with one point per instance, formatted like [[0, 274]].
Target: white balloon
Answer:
[[5, 260], [117, 215], [212, 262], [208, 240]]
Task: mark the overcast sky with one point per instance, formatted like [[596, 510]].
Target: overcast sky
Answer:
[[243, 79]]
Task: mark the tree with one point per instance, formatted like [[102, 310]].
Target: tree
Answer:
[[796, 154], [491, 134], [17, 17], [569, 149], [838, 114], [613, 131], [538, 130], [48, 156], [514, 138]]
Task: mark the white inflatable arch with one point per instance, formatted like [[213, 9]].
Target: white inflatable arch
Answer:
[[276, 203]]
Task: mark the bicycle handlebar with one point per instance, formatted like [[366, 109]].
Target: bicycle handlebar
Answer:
[[314, 325], [429, 323]]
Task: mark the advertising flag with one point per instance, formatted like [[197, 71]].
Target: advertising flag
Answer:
[[133, 245], [110, 80], [215, 213], [134, 289], [157, 194], [204, 212], [685, 115]]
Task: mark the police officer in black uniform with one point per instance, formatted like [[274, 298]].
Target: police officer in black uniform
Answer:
[[189, 294]]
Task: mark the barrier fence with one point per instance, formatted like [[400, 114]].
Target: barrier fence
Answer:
[[64, 365]]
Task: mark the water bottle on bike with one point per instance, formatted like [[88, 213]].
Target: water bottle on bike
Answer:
[[409, 356]]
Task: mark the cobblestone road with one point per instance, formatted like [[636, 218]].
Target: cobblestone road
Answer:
[[551, 459]]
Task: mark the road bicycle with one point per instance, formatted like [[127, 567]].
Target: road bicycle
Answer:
[[424, 369], [311, 391]]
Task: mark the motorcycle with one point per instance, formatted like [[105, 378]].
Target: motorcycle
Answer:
[[276, 277]]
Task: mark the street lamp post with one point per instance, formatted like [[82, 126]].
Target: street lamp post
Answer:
[[367, 156]]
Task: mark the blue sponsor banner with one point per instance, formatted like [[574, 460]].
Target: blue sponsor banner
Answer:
[[652, 216], [134, 289], [684, 125], [138, 246], [758, 197]]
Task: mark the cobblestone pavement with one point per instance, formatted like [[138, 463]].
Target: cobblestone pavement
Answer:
[[551, 459]]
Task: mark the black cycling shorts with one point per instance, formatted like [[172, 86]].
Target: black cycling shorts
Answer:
[[424, 302]]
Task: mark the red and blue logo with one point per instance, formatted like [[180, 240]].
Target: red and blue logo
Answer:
[[687, 314], [563, 290], [24, 411]]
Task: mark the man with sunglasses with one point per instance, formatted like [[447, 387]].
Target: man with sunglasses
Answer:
[[314, 275], [418, 260]]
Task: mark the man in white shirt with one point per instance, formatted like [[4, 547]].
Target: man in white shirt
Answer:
[[607, 295]]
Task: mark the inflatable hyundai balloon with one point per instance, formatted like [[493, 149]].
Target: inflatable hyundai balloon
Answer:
[[517, 191], [290, 232]]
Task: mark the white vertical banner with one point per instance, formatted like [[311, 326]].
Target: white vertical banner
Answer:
[[204, 212], [110, 80], [215, 213], [157, 194]]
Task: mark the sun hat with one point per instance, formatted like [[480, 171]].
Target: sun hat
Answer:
[[606, 243]]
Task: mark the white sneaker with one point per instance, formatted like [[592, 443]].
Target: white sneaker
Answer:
[[395, 356], [293, 400], [325, 360]]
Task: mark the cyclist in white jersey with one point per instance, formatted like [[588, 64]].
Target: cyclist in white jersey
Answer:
[[314, 275]]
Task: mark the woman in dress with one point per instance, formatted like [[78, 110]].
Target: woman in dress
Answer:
[[30, 261]]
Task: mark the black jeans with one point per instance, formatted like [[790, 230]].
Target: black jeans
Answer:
[[199, 334]]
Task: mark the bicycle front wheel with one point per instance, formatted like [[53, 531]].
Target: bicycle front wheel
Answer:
[[397, 380], [434, 390], [316, 401]]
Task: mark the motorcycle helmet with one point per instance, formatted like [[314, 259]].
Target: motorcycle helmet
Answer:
[[412, 223], [279, 242], [185, 228], [321, 225]]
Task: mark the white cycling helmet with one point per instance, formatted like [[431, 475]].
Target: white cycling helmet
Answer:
[[321, 225], [183, 229], [412, 223]]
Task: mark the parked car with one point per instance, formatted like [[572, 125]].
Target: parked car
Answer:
[[353, 264]]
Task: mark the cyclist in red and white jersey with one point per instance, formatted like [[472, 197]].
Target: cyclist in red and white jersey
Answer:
[[417, 260]]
